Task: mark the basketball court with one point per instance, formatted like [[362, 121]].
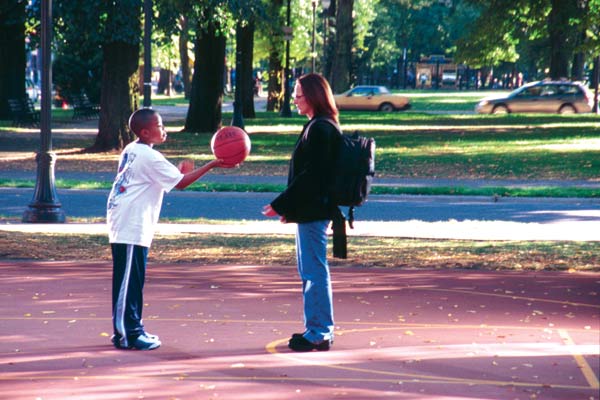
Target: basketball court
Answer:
[[400, 334]]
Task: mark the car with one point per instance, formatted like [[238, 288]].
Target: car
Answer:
[[371, 98], [562, 97], [33, 92]]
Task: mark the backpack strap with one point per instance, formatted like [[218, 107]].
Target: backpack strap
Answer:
[[340, 241], [317, 119]]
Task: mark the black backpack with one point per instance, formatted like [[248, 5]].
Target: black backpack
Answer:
[[354, 170]]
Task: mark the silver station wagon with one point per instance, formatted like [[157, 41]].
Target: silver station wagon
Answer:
[[555, 97]]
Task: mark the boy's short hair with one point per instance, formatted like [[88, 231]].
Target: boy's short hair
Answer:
[[140, 119]]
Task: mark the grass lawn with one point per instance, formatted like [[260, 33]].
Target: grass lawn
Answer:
[[279, 249], [414, 144]]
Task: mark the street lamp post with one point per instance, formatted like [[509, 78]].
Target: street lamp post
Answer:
[[326, 4], [285, 109], [596, 82], [45, 206], [313, 47], [147, 53]]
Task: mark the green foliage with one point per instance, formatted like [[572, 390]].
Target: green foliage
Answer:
[[80, 30], [121, 21], [422, 27]]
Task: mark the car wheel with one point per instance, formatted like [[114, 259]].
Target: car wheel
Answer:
[[386, 107], [567, 109], [500, 109]]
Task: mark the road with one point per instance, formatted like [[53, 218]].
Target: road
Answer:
[[458, 217]]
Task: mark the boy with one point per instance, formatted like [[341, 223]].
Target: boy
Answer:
[[133, 209]]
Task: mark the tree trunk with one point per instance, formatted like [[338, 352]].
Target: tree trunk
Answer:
[[578, 70], [186, 67], [275, 83], [206, 99], [562, 36], [12, 53], [119, 96], [341, 67], [164, 82], [245, 45]]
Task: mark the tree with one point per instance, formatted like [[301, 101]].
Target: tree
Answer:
[[341, 66], [246, 12], [244, 49], [541, 34], [562, 35], [120, 90], [184, 58], [272, 29], [12, 53], [206, 98], [175, 19], [77, 65]]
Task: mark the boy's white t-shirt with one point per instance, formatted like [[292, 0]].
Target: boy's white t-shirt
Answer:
[[136, 197]]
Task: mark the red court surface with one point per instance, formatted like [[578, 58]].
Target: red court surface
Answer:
[[401, 334]]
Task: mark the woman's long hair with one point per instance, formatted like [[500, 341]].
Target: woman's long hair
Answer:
[[318, 94]]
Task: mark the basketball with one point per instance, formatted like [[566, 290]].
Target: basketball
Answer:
[[230, 144]]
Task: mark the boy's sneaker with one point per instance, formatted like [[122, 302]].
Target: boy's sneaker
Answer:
[[116, 341], [151, 336], [145, 342]]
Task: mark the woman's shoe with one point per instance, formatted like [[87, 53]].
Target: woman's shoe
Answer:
[[299, 343]]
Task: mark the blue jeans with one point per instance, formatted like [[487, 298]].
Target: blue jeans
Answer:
[[311, 254]]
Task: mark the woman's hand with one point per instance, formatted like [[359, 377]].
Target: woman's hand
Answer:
[[268, 211]]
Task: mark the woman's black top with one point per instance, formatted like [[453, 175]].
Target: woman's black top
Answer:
[[310, 174]]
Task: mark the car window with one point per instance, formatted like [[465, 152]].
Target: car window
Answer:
[[362, 92], [549, 90], [569, 89], [532, 91]]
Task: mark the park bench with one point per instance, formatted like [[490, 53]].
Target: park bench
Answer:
[[23, 112], [83, 107]]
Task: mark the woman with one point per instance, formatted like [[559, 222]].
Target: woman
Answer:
[[305, 202]]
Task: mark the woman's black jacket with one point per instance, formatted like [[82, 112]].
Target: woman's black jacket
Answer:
[[310, 174]]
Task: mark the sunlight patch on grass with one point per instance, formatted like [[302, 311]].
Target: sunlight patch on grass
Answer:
[[17, 155], [450, 101], [349, 127], [466, 95], [574, 145], [274, 129]]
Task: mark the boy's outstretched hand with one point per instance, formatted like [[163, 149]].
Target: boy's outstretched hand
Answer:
[[186, 166], [191, 174]]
